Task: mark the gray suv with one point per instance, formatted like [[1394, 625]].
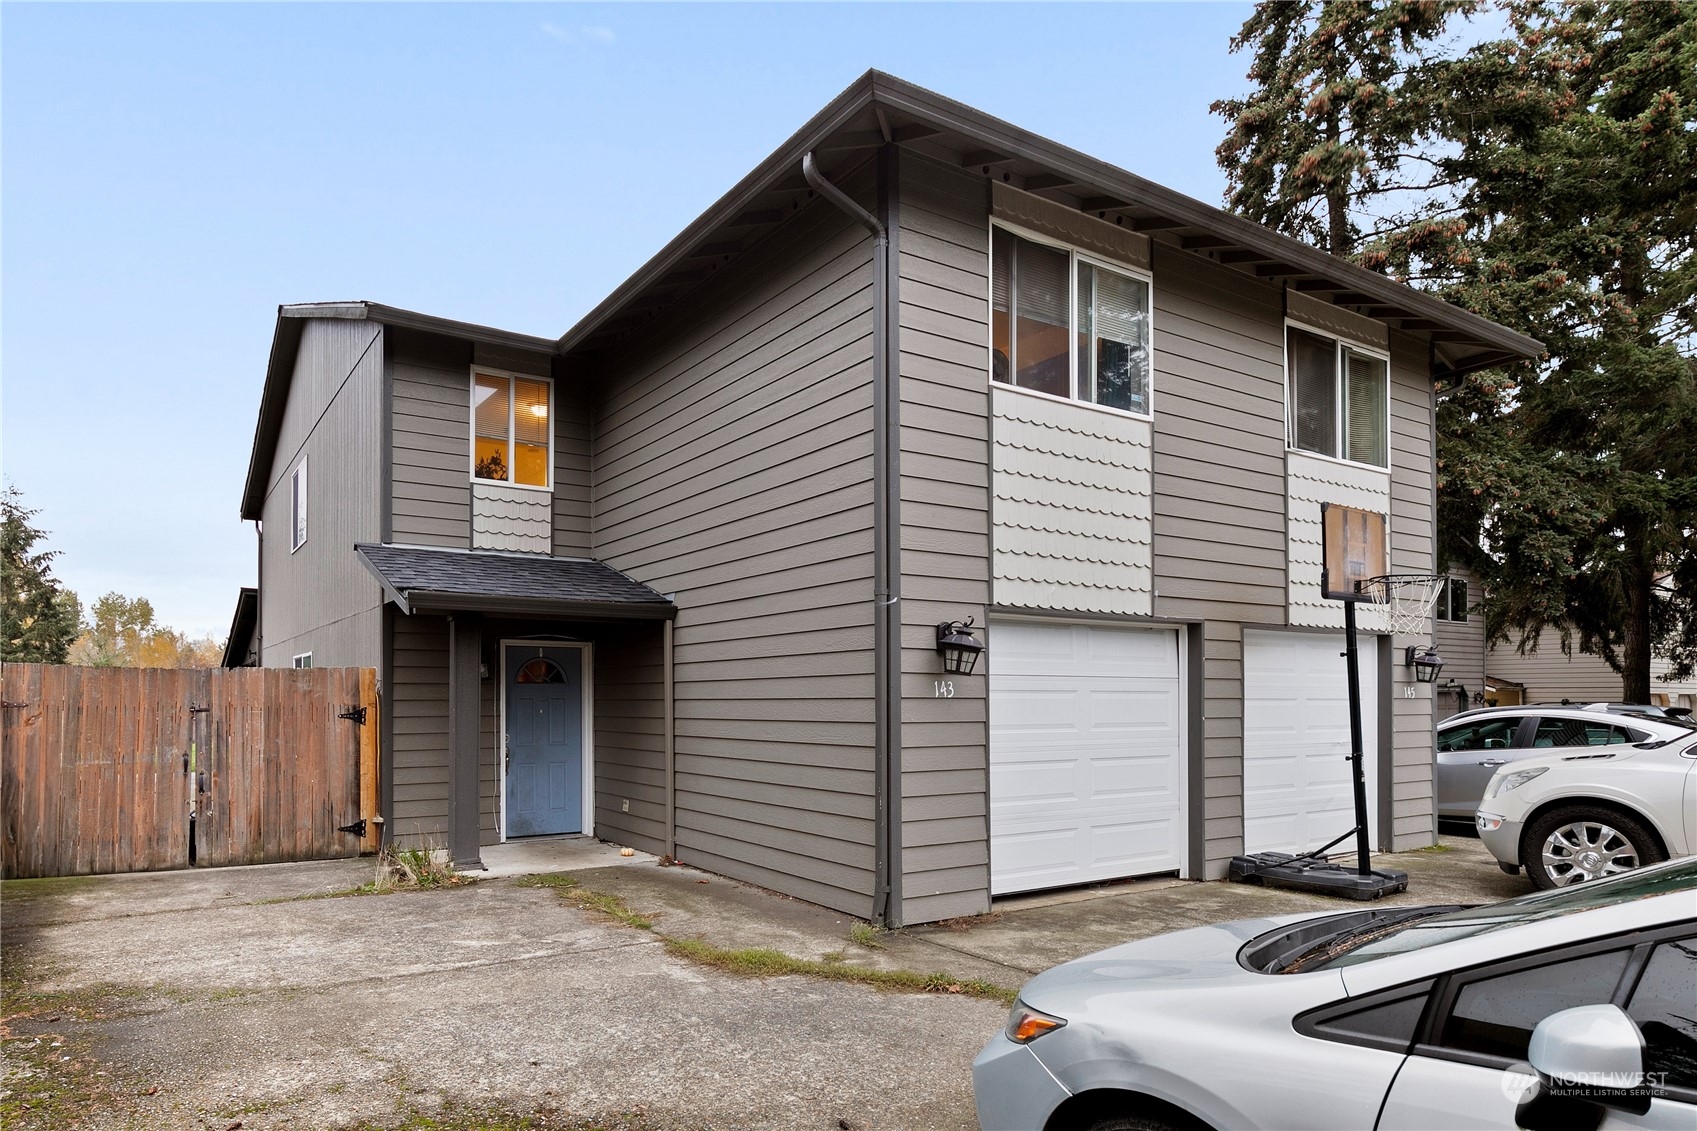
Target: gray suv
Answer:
[[1472, 745]]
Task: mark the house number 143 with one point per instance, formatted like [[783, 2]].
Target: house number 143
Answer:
[[945, 688]]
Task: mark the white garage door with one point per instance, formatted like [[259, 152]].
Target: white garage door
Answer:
[[1297, 793], [1086, 754]]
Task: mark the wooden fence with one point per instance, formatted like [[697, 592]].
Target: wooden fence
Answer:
[[101, 768]]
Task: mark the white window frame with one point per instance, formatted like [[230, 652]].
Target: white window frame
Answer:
[[1074, 256], [298, 507], [301, 660], [1339, 377], [512, 408]]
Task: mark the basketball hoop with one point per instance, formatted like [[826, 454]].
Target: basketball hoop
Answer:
[[1407, 597]]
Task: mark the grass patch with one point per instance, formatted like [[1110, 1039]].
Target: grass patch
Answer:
[[866, 935], [23, 891], [760, 962], [456, 1116], [1436, 848], [51, 1079], [582, 898]]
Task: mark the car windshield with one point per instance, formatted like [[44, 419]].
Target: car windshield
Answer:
[[1375, 940]]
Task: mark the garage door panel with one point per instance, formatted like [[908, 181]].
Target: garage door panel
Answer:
[[1297, 787], [1086, 754]]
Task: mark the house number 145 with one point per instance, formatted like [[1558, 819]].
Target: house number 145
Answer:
[[945, 688]]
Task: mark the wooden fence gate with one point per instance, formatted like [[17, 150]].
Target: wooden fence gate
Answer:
[[138, 769]]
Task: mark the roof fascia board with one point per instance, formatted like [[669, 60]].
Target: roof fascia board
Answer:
[[433, 601], [395, 595], [785, 160], [285, 347], [993, 133]]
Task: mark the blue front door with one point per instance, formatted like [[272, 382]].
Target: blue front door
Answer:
[[544, 740]]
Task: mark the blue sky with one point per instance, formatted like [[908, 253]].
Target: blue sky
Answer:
[[170, 174]]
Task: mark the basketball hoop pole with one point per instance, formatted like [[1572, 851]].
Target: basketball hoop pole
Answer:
[[1353, 553], [1364, 865]]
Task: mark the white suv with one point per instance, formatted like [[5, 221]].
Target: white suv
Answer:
[[1583, 814]]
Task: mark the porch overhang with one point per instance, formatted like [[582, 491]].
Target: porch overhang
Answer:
[[434, 579]]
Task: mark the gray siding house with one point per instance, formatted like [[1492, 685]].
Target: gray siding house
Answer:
[[674, 579]]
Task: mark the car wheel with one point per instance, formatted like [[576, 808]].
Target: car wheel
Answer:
[[1573, 844], [1133, 1123]]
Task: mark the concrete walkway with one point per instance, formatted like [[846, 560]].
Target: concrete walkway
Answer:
[[207, 999]]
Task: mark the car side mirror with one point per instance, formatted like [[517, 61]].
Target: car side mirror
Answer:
[[1588, 1059]]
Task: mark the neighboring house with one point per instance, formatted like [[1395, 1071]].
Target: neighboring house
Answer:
[[1474, 676], [674, 579]]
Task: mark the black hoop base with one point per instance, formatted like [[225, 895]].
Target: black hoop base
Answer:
[[1282, 870]]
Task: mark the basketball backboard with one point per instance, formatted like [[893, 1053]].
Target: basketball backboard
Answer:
[[1352, 550]]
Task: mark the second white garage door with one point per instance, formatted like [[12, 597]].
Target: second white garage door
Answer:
[[1086, 754], [1297, 790]]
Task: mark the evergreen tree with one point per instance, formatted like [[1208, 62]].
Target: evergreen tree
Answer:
[[1322, 141], [1571, 488], [40, 616]]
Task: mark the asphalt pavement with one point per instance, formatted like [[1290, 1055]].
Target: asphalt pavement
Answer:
[[242, 996]]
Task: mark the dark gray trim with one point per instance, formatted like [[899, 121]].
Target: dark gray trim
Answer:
[[1195, 769], [386, 725], [244, 628], [465, 662], [285, 345], [424, 601], [386, 490], [669, 734], [1387, 751], [887, 510], [936, 114]]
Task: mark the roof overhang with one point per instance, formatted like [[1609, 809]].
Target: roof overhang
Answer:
[[285, 348], [879, 109], [431, 579], [242, 627]]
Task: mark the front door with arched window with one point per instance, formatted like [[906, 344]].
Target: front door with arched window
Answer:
[[544, 740]]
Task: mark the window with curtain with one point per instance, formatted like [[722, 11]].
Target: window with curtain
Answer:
[[512, 428], [1338, 397], [1064, 325]]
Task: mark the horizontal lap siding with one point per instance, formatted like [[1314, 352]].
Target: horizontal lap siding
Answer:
[[630, 746], [1219, 500], [430, 495], [1462, 645], [418, 708], [732, 450], [1412, 551], [318, 598], [943, 241]]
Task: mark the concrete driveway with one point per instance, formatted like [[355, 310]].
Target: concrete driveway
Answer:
[[236, 997]]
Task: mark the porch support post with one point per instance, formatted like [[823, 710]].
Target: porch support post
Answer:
[[465, 659]]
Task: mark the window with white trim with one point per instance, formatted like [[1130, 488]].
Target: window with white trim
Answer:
[[1338, 398], [297, 507], [1068, 325], [304, 660], [512, 428]]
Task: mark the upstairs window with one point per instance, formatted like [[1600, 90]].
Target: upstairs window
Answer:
[[1452, 600], [1068, 326], [512, 428], [297, 507], [1338, 397]]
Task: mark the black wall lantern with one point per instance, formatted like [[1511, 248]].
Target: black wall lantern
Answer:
[[1425, 661], [958, 647]]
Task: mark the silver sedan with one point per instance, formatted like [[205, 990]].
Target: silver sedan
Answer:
[[1376, 1018]]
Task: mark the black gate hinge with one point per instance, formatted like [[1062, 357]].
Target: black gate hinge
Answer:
[[357, 714]]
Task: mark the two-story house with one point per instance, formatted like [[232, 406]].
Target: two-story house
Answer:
[[675, 579]]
